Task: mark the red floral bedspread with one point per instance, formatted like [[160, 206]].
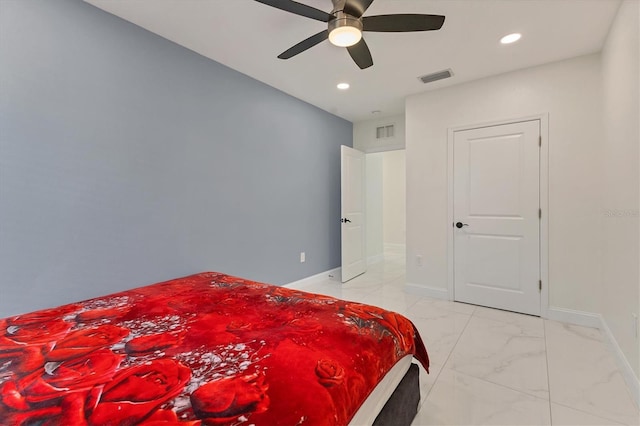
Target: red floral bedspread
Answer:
[[208, 349]]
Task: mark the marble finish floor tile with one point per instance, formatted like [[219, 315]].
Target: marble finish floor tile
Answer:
[[565, 416], [510, 354], [425, 304], [532, 325], [583, 374], [440, 330], [333, 290], [427, 380], [459, 399], [397, 303]]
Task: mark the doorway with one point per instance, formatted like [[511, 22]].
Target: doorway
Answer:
[[386, 205]]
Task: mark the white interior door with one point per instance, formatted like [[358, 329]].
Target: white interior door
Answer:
[[496, 216], [353, 221]]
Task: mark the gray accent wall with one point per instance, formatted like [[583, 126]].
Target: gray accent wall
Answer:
[[126, 159]]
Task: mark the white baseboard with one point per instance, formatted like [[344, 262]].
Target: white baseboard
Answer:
[[633, 382], [426, 291], [588, 319], [585, 319], [333, 274]]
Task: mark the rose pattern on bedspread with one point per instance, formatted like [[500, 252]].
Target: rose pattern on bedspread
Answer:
[[207, 349]]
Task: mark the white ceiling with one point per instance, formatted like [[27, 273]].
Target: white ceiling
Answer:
[[247, 36]]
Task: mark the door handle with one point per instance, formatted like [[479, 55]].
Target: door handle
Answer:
[[460, 225], [345, 220]]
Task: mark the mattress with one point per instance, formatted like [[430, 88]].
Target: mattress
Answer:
[[208, 349]]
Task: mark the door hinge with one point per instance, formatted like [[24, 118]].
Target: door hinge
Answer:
[[539, 213], [540, 285], [539, 140]]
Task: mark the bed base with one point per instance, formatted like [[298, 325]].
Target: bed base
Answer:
[[402, 406]]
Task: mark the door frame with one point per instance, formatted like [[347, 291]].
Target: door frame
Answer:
[[544, 202]]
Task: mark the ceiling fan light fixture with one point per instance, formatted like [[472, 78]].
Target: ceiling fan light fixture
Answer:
[[345, 36], [345, 30]]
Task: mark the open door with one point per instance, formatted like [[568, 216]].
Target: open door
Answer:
[[352, 178]]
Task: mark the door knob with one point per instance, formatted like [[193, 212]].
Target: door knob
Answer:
[[345, 220], [460, 225]]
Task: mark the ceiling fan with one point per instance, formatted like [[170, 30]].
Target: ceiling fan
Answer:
[[346, 23]]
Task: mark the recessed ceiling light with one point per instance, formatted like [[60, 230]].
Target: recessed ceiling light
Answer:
[[510, 38], [343, 86]]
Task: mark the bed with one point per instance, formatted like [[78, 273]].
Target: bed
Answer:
[[209, 349]]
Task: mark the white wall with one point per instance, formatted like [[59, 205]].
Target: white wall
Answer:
[[364, 135], [621, 213], [374, 209], [394, 197], [570, 92]]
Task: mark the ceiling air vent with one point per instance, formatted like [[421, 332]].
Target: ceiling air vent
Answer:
[[387, 131], [440, 75]]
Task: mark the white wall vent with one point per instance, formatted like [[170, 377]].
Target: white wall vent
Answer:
[[387, 131], [440, 75]]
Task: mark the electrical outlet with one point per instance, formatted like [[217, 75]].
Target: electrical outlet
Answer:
[[419, 260], [636, 326], [303, 257]]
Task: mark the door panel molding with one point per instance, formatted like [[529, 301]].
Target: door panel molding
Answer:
[[543, 201]]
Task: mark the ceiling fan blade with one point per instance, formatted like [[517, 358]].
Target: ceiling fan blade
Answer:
[[361, 54], [298, 9], [356, 7], [304, 45], [402, 23]]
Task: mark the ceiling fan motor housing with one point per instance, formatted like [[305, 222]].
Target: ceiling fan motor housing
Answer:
[[344, 20]]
